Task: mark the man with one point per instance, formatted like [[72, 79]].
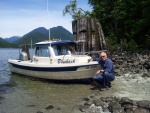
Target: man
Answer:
[[106, 74]]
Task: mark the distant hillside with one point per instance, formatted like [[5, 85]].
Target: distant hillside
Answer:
[[5, 44], [41, 34], [12, 39], [61, 33], [35, 37], [40, 30]]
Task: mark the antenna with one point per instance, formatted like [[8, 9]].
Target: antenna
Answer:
[[49, 31], [48, 19]]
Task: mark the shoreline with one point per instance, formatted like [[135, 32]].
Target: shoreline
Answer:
[[127, 88], [130, 89]]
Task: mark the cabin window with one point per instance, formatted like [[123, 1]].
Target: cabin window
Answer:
[[42, 52], [60, 50]]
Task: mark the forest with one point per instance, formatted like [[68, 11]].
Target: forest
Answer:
[[125, 23]]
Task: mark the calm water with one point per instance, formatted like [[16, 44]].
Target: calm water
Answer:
[[20, 94]]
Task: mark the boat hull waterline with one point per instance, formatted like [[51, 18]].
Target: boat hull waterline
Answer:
[[54, 72]]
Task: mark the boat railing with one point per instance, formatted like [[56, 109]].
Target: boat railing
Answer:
[[90, 53]]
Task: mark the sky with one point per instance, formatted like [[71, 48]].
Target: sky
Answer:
[[18, 17]]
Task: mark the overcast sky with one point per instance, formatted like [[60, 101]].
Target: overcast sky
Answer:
[[18, 17]]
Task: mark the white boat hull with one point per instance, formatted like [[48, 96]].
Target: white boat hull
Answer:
[[54, 72]]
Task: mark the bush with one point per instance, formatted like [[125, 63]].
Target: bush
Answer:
[[132, 46]]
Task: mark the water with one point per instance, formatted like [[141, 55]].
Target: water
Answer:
[[20, 94], [6, 54]]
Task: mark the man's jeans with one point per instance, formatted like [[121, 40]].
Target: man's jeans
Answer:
[[104, 79]]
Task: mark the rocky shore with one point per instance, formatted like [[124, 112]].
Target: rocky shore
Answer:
[[114, 105], [129, 92]]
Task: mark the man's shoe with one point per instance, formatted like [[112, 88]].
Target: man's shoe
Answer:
[[109, 84], [95, 83], [103, 89]]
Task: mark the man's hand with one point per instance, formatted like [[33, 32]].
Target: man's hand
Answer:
[[98, 72], [89, 60], [102, 71]]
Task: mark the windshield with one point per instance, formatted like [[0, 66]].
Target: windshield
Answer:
[[42, 51], [60, 50]]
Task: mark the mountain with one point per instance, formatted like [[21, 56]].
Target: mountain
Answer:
[[40, 30], [61, 33], [37, 35], [41, 34], [12, 39], [5, 44]]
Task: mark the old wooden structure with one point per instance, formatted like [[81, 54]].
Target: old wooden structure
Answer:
[[88, 35]]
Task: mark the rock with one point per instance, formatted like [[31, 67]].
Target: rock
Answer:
[[129, 111], [129, 60], [128, 107], [125, 100], [86, 99], [88, 103], [30, 105], [98, 102], [109, 99], [146, 75], [144, 104], [76, 109], [84, 108], [133, 63], [115, 107], [95, 109], [140, 110], [49, 107], [136, 63], [147, 64], [118, 72], [58, 108], [39, 112]]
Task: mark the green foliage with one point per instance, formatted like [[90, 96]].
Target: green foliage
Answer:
[[132, 46], [112, 42], [74, 11], [124, 19]]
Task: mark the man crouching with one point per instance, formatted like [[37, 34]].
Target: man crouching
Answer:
[[106, 74]]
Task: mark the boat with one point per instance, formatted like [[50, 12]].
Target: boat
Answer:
[[55, 60]]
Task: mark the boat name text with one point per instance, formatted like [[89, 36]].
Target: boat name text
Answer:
[[66, 61]]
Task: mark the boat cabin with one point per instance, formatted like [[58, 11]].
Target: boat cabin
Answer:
[[54, 51]]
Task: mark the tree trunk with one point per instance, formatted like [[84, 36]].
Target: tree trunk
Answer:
[[89, 35]]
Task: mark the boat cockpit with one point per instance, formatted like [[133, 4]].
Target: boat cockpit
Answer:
[[54, 49]]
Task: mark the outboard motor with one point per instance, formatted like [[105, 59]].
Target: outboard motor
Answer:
[[23, 56]]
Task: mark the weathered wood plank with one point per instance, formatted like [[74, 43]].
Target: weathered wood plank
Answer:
[[89, 35]]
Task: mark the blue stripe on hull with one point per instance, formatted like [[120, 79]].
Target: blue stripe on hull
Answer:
[[47, 69]]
